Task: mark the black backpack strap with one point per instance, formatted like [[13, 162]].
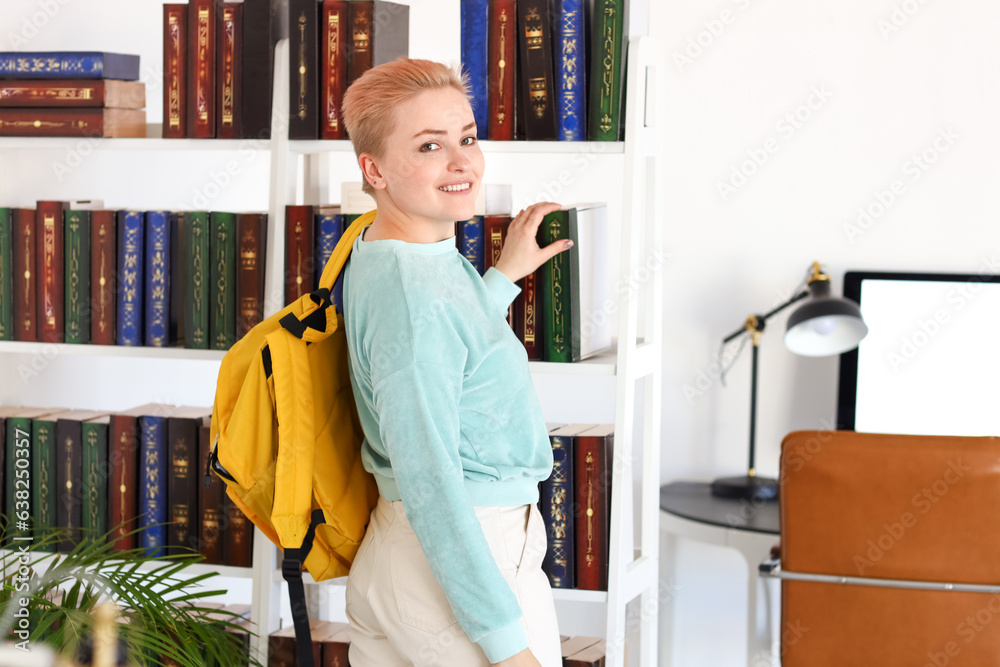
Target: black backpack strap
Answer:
[[291, 570]]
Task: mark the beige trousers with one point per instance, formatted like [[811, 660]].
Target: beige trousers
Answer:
[[398, 613]]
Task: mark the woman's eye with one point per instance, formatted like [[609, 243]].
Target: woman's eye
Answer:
[[468, 141], [429, 146]]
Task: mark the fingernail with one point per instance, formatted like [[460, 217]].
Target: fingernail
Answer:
[[569, 244]]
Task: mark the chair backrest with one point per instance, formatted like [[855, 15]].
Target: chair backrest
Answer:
[[918, 508]]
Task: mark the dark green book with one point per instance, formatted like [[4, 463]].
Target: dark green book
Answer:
[[6, 276], [77, 276], [607, 69], [95, 476], [196, 287], [222, 281], [43, 475], [555, 291], [17, 460]]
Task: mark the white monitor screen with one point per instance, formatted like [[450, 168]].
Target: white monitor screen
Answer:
[[930, 363]]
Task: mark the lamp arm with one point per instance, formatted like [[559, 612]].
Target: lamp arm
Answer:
[[762, 319]]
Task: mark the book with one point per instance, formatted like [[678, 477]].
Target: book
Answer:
[[380, 33], [502, 55], [77, 275], [196, 254], [474, 18], [251, 233], [94, 434], [607, 63], [261, 31], [237, 536], [334, 38], [335, 642], [43, 475], [69, 64], [591, 656], [229, 104], [556, 504], [593, 473], [183, 426], [153, 483], [222, 280], [25, 275], [573, 645], [72, 122], [470, 242], [6, 275], [69, 473], [201, 64], [103, 277], [49, 230], [300, 244], [19, 455], [210, 493], [281, 645], [494, 235], [175, 70], [303, 62], [571, 70], [123, 473], [156, 287], [73, 93], [536, 69], [130, 262], [329, 228]]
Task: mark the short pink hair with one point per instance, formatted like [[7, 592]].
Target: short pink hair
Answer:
[[370, 103]]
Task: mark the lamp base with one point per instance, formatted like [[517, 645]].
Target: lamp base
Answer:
[[746, 487]]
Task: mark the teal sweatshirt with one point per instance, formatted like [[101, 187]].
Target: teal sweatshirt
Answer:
[[449, 412]]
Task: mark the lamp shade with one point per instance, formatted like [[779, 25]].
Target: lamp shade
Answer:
[[824, 325]]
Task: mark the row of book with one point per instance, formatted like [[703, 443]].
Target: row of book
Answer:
[[218, 67], [575, 503], [71, 93], [567, 81], [72, 272], [132, 474]]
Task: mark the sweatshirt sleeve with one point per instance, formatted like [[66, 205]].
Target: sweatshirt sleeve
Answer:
[[418, 412], [500, 288]]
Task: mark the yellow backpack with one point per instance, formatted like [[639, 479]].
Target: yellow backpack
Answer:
[[287, 438]]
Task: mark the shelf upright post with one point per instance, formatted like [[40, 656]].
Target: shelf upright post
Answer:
[[282, 187]]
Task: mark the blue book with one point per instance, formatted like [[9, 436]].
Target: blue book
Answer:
[[131, 250], [475, 38], [157, 279], [470, 242], [329, 229], [69, 65], [571, 69], [152, 484], [556, 503]]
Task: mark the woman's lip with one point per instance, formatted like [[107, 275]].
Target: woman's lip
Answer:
[[468, 187]]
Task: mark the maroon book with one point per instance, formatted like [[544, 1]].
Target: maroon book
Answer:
[[334, 38], [535, 58], [237, 536], [299, 251], [593, 500], [73, 93], [229, 69], [25, 276], [103, 277], [175, 70], [502, 67], [251, 239], [494, 234], [201, 59], [50, 287], [209, 502], [72, 122], [526, 320], [123, 473]]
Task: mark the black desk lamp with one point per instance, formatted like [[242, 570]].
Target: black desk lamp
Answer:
[[824, 325]]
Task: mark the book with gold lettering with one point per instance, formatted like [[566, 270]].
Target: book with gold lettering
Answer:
[[203, 18], [153, 483], [73, 93], [103, 277], [556, 503], [607, 71], [475, 59], [130, 261], [183, 427], [72, 122], [535, 69], [593, 473], [95, 476], [123, 473], [18, 452], [494, 235], [334, 39], [571, 70], [69, 473], [6, 275], [502, 56], [222, 280], [380, 33], [63, 64], [77, 276], [49, 228], [264, 23], [43, 474], [230, 69], [303, 63], [210, 492], [251, 239], [25, 275], [300, 249], [175, 70], [195, 253], [156, 311]]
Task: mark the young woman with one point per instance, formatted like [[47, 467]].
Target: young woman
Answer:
[[449, 572]]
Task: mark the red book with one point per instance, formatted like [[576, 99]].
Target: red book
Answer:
[[299, 251], [230, 47], [250, 243], [494, 234], [73, 93], [175, 39], [501, 67], [209, 502], [237, 537], [72, 122], [334, 38], [103, 279], [123, 479], [50, 287], [201, 102], [361, 33], [25, 275], [593, 500], [526, 315]]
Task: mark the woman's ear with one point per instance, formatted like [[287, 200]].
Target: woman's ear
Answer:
[[371, 171]]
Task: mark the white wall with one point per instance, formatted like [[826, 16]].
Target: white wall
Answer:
[[893, 76]]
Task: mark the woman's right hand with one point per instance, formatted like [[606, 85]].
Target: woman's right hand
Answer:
[[523, 659]]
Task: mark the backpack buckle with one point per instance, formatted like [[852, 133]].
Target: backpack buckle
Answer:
[[291, 568]]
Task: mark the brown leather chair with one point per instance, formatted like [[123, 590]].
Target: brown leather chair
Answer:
[[859, 509]]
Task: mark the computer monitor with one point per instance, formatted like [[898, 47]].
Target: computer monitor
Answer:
[[930, 364]]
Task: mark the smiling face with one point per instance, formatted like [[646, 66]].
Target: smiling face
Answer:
[[432, 166]]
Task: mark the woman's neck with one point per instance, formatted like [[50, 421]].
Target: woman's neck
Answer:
[[401, 227]]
